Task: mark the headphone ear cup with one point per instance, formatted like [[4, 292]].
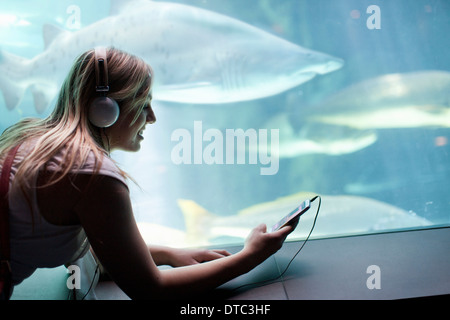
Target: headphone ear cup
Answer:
[[103, 112]]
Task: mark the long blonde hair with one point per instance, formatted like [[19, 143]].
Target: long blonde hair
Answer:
[[68, 125]]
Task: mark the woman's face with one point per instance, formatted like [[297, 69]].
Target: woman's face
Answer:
[[122, 136]]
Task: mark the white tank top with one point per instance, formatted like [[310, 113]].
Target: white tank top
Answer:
[[36, 243]]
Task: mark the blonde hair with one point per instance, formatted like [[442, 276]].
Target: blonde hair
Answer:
[[68, 126]]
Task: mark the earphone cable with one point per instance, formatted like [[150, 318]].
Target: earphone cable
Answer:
[[260, 283]]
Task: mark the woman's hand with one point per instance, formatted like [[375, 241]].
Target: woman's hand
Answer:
[[260, 244]]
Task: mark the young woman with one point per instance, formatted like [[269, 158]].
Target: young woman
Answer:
[[67, 195]]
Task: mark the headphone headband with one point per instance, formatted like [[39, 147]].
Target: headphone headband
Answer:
[[101, 70]]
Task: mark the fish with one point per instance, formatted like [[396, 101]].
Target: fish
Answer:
[[198, 56], [390, 101], [339, 215], [315, 138]]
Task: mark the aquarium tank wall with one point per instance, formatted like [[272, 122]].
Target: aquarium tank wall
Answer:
[[260, 105]]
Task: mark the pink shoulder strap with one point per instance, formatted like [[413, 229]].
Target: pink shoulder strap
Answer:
[[4, 207]]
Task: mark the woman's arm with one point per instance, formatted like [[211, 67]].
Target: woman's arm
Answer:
[[178, 257], [105, 213], [202, 277]]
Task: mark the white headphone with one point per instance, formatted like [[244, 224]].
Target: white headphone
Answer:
[[104, 111]]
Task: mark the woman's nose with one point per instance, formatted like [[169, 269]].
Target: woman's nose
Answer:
[[151, 118]]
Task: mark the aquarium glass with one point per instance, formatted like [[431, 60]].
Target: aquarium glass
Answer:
[[260, 104]]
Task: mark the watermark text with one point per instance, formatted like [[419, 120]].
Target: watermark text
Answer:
[[235, 146]]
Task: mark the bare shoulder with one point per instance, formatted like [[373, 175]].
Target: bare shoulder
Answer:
[[105, 212], [103, 200], [59, 201]]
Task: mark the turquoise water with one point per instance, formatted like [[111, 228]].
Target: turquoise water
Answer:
[[404, 164]]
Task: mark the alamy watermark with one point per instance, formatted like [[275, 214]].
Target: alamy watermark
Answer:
[[73, 21], [234, 146], [374, 280], [74, 279], [374, 20]]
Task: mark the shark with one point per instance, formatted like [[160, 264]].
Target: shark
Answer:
[[198, 56], [338, 215], [349, 120], [390, 101], [315, 138]]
